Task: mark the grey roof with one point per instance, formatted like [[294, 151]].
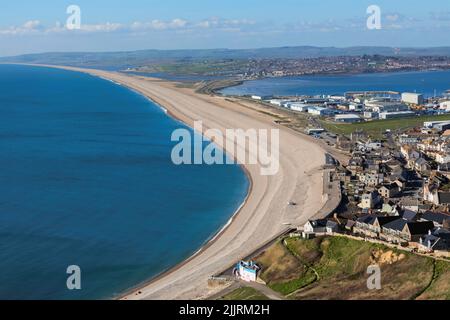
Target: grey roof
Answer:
[[444, 197], [429, 238], [370, 219], [421, 161], [415, 228], [442, 233], [409, 215], [331, 224], [435, 217], [397, 225]]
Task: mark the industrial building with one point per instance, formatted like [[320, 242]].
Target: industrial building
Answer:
[[435, 124], [413, 98], [319, 111], [278, 102], [347, 118], [295, 106], [396, 115], [262, 97], [387, 106]]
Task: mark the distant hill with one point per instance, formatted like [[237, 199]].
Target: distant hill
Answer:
[[118, 60]]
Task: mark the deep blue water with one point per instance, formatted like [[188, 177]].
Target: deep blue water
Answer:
[[422, 82], [87, 180]]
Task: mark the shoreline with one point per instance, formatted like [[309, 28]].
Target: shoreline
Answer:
[[262, 214], [325, 75], [208, 242]]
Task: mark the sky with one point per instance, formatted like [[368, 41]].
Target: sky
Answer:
[[30, 26]]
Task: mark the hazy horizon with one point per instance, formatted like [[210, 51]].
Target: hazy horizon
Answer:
[[212, 49]]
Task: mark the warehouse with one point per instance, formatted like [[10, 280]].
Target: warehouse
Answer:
[[412, 98], [396, 115], [347, 118]]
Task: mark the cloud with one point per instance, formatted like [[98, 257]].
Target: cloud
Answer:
[[158, 25], [29, 27], [178, 24], [209, 26], [106, 27]]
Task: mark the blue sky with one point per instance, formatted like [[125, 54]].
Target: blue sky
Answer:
[[38, 26]]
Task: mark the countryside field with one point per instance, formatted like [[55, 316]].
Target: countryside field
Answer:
[[378, 127]]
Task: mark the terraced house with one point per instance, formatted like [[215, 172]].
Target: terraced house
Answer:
[[404, 231], [371, 225]]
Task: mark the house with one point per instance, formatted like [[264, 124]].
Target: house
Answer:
[[436, 217], [370, 225], [442, 157], [371, 179], [409, 153], [356, 165], [401, 230], [408, 139], [369, 200], [420, 165], [349, 225], [315, 226], [390, 209], [433, 190], [247, 271], [389, 191], [410, 203], [320, 226]]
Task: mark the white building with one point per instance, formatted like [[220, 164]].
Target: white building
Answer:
[[442, 158], [445, 105], [355, 106], [319, 111], [388, 107], [261, 97], [247, 271], [278, 102], [347, 118], [412, 98], [296, 106]]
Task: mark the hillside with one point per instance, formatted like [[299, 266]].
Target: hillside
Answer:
[[335, 268], [120, 60]]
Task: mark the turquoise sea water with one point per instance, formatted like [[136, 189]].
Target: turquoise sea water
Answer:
[[86, 179], [425, 82]]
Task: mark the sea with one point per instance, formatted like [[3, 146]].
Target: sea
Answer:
[[87, 180], [429, 83]]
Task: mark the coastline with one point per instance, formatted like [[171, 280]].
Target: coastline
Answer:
[[325, 75], [187, 280]]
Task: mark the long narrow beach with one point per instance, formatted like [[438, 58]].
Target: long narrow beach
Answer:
[[266, 211]]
